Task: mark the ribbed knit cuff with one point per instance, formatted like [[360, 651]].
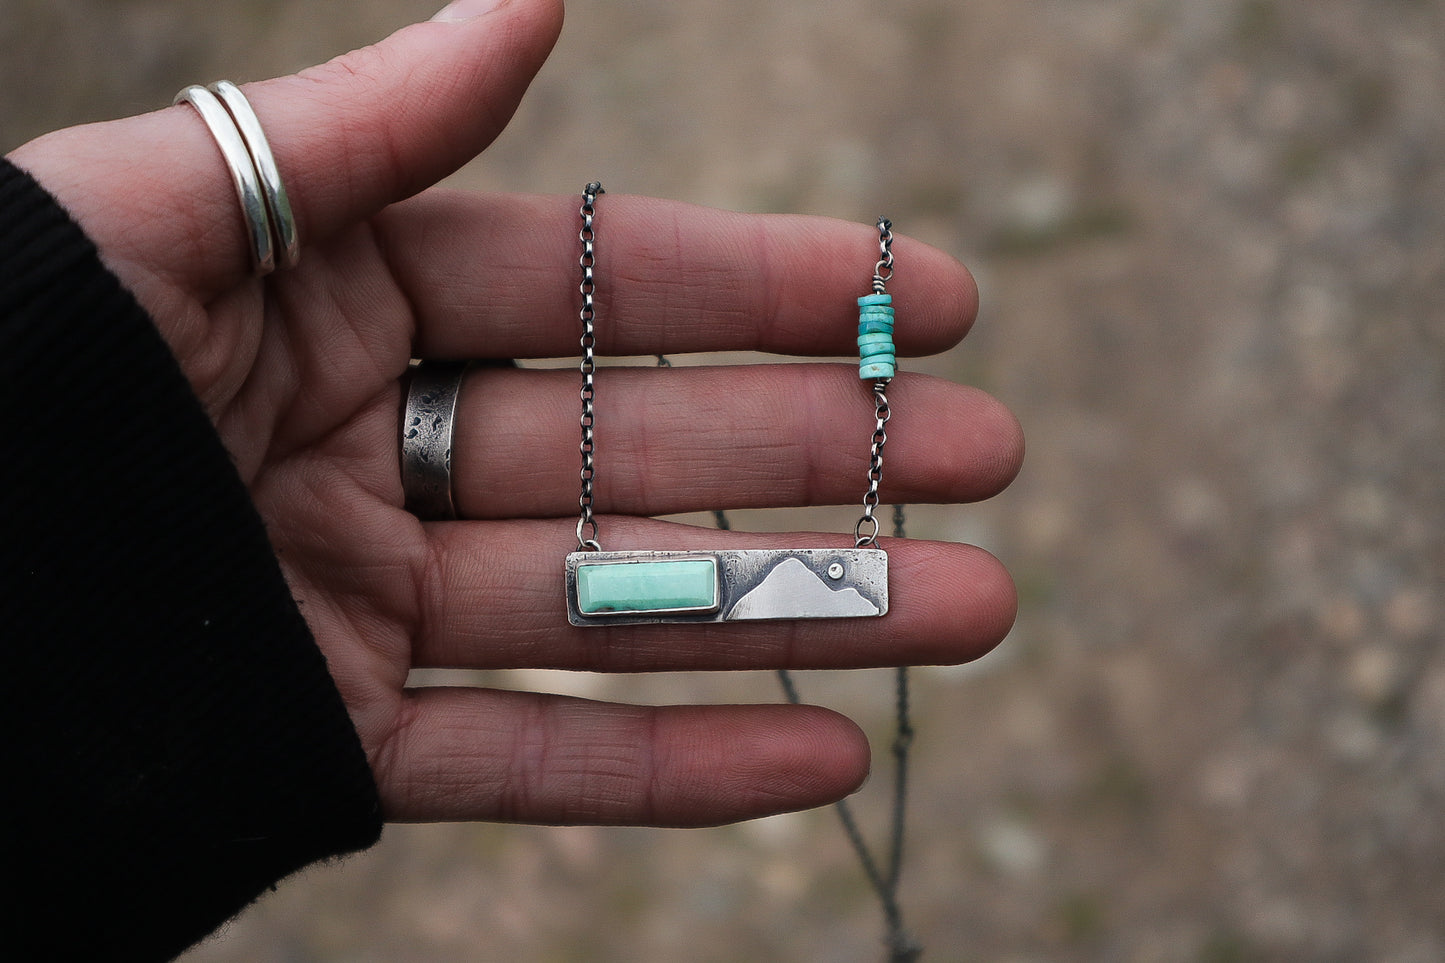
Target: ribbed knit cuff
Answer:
[[181, 745]]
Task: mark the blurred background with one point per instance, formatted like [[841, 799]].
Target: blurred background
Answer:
[[1210, 237]]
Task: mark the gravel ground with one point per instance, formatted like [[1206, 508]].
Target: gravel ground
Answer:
[[1209, 238]]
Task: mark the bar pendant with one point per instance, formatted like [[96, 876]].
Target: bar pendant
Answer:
[[631, 588]]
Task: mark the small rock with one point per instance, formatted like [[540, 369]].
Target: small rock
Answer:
[[1012, 848]]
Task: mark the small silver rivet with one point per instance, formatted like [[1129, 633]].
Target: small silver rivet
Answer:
[[835, 571]]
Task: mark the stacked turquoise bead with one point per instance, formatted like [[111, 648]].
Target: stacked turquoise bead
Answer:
[[877, 358]]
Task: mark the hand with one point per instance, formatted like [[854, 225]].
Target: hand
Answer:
[[300, 373]]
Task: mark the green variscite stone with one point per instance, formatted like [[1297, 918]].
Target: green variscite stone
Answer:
[[661, 585]]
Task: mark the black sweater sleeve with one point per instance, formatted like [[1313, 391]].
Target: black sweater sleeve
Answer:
[[177, 745]]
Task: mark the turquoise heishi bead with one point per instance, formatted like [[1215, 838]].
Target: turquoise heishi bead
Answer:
[[877, 357], [661, 585]]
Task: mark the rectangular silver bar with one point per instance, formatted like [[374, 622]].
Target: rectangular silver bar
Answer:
[[787, 583]]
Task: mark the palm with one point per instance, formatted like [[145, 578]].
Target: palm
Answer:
[[313, 428], [300, 375]]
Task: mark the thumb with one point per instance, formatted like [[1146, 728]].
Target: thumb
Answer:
[[350, 136], [382, 123]]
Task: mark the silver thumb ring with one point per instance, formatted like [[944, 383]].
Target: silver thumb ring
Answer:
[[426, 438], [265, 205]]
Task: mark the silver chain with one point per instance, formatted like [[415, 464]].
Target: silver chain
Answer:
[[868, 528], [586, 523], [883, 877], [883, 270]]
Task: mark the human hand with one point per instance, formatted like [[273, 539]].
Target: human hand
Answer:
[[300, 374]]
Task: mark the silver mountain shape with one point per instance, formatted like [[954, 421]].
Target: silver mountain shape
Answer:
[[794, 591]]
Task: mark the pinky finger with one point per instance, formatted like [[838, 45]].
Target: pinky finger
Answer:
[[482, 754]]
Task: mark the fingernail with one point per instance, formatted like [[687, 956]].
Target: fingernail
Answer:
[[459, 10]]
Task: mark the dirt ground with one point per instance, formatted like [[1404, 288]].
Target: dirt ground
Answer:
[[1210, 236]]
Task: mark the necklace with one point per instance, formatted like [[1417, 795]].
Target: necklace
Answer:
[[633, 587], [636, 587]]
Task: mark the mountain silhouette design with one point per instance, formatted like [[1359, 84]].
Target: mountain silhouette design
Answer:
[[794, 591]]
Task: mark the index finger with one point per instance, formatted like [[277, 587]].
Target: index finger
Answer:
[[492, 275]]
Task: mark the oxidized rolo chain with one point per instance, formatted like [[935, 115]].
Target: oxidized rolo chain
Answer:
[[867, 529], [586, 523], [902, 948]]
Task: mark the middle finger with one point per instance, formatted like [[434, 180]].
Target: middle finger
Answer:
[[674, 440]]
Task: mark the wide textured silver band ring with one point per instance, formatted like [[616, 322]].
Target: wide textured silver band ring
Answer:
[[426, 438], [265, 206]]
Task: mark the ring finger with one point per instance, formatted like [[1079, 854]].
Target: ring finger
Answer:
[[492, 597]]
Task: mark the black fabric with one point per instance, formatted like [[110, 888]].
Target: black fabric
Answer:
[[177, 744]]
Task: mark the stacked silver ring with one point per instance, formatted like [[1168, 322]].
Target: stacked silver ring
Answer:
[[270, 223]]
